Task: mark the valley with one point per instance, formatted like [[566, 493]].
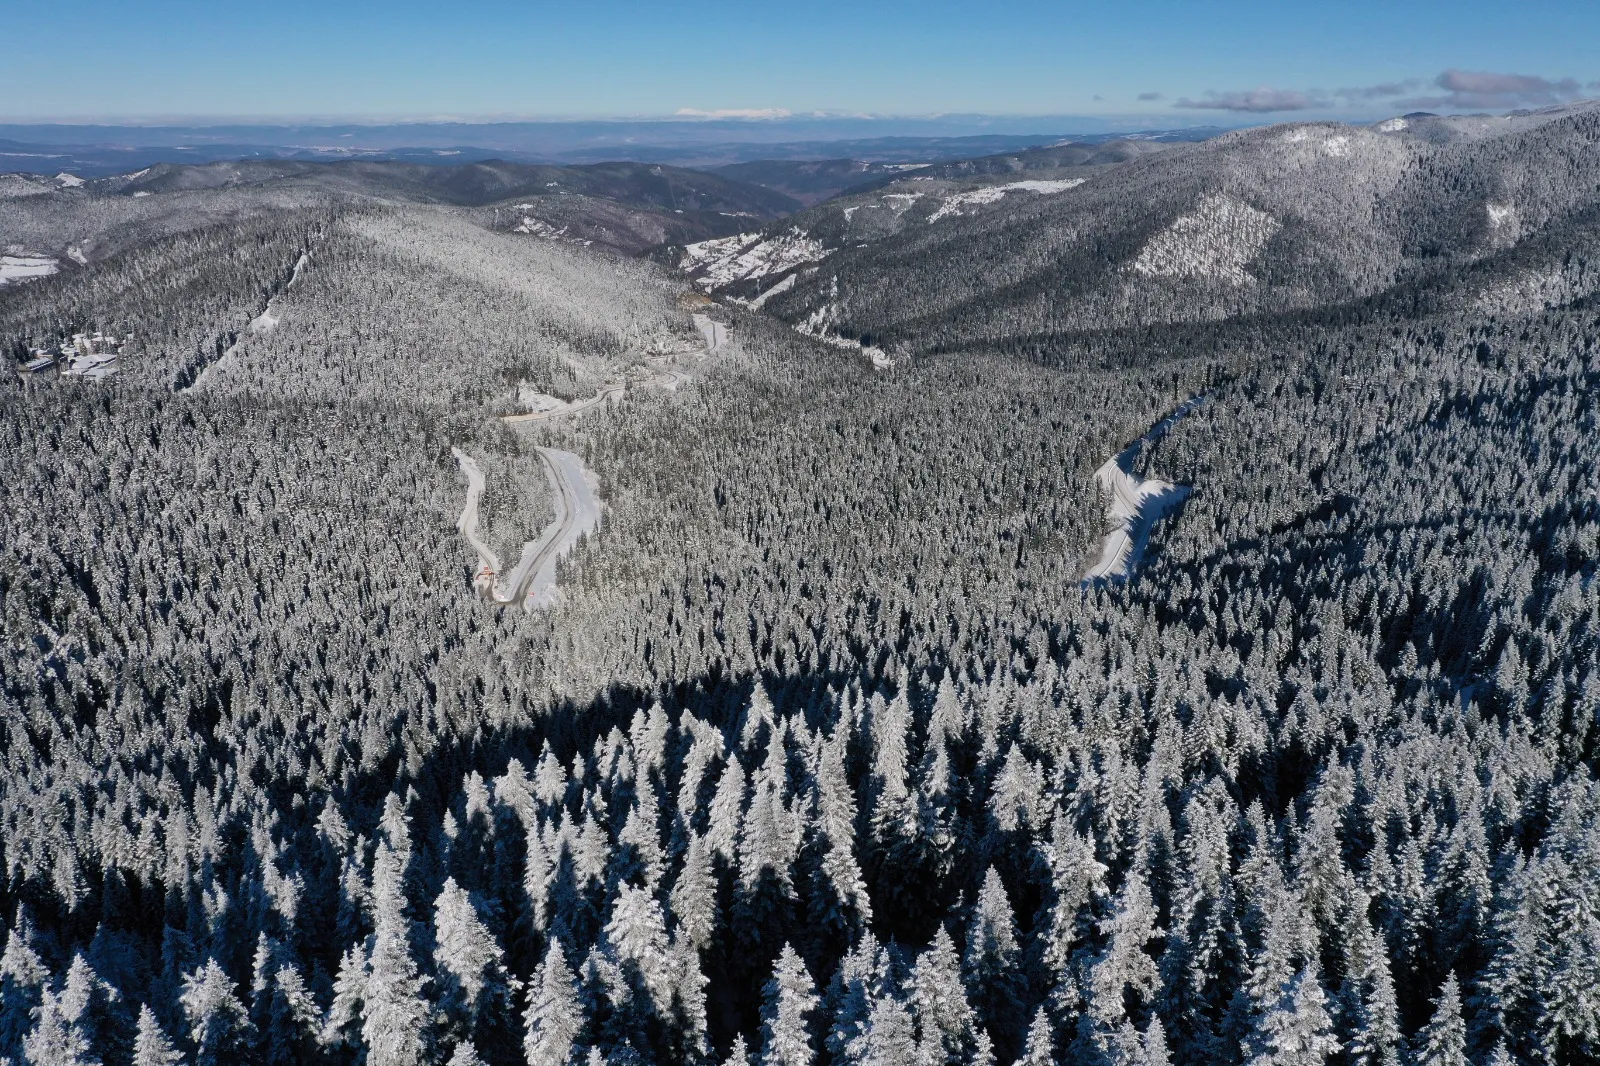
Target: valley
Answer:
[[1114, 601]]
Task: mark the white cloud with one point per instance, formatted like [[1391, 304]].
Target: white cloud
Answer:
[[1462, 90], [1479, 90], [734, 112], [1255, 101]]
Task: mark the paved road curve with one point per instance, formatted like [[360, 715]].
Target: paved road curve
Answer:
[[532, 582]]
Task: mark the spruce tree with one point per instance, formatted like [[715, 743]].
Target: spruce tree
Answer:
[[1443, 1041], [1297, 1031], [789, 999], [150, 1044], [474, 989], [394, 1012], [991, 967], [219, 1025], [944, 1019], [553, 1020]]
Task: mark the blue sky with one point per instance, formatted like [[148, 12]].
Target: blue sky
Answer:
[[1237, 61]]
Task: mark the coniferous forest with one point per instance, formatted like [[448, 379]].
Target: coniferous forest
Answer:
[[821, 749]]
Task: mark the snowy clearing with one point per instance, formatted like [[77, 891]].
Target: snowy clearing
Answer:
[[547, 407], [715, 333], [532, 582], [953, 204], [1217, 240], [749, 255], [24, 267], [1136, 504], [538, 227], [69, 181], [547, 411]]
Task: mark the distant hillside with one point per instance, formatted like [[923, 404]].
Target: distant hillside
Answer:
[[812, 181]]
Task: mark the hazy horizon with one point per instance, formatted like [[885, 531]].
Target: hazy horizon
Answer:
[[152, 62]]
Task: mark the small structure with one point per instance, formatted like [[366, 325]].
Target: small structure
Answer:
[[95, 356]]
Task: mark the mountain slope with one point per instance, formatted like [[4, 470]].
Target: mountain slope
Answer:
[[1284, 218]]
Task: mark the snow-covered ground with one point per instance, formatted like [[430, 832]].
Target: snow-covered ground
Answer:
[[23, 267], [547, 410], [1216, 240], [953, 205], [536, 401], [750, 255], [532, 582], [1136, 504]]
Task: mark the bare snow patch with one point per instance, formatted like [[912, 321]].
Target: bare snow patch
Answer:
[[532, 399], [901, 202], [953, 205], [15, 268], [725, 260], [69, 181], [1337, 146], [1216, 240], [1501, 215], [1393, 125]]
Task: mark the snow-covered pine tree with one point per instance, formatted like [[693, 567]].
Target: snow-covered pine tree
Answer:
[[342, 1028], [394, 1013], [637, 936], [23, 978], [944, 1019], [1039, 1049], [1297, 1031], [992, 967], [694, 896], [475, 992]]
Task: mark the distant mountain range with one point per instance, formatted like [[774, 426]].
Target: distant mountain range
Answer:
[[625, 207], [103, 150]]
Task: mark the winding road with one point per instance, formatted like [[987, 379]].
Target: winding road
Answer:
[[532, 582], [606, 392], [1136, 505]]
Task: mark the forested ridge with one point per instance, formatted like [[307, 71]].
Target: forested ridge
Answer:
[[826, 753]]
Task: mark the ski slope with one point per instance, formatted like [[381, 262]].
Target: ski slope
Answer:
[[1135, 504]]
